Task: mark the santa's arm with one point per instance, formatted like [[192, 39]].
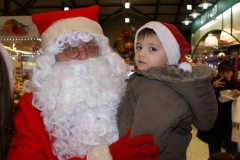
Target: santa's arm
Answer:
[[30, 140], [126, 148]]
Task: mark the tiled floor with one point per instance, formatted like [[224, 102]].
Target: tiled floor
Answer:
[[197, 149]]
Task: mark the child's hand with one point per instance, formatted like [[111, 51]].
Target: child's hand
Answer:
[[218, 83]]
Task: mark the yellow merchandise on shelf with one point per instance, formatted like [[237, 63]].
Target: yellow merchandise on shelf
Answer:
[[18, 87]]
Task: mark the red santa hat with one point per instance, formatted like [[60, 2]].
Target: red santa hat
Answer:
[[173, 43], [53, 24]]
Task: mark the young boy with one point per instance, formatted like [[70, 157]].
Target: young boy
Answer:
[[166, 95]]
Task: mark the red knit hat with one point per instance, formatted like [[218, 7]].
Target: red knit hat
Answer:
[[173, 43], [52, 24]]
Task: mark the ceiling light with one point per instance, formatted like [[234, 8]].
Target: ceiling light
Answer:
[[205, 4], [211, 41], [127, 5], [66, 8], [186, 21], [189, 7], [127, 20], [194, 14]]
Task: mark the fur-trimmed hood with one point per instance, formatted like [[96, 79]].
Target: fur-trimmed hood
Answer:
[[193, 86], [174, 74]]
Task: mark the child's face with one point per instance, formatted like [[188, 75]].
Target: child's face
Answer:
[[150, 53]]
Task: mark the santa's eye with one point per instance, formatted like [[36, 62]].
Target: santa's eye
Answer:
[[69, 49]]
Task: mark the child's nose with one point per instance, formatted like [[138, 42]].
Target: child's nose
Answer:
[[141, 53]]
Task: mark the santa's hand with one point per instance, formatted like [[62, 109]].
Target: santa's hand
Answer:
[[126, 148], [135, 148]]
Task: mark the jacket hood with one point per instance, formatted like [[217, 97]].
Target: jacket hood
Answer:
[[174, 74], [194, 87]]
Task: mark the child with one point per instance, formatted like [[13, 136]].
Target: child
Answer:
[[164, 98]]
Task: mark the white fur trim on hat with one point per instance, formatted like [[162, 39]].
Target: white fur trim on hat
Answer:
[[185, 66], [168, 41], [6, 58], [70, 24], [99, 153]]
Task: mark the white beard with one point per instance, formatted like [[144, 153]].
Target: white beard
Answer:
[[79, 101]]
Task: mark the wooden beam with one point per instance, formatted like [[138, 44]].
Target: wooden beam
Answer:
[[156, 9], [178, 11], [7, 7]]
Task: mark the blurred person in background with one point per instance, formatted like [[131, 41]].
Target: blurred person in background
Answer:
[[6, 102], [221, 156], [221, 132]]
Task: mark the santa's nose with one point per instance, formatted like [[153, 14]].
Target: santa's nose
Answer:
[[82, 54]]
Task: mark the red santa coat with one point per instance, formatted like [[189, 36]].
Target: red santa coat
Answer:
[[30, 141]]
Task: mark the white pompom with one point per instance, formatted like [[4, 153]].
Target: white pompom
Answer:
[[185, 66]]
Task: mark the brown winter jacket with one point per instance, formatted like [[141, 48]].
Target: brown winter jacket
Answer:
[[165, 102]]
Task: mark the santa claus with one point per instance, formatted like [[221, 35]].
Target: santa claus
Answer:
[[77, 86]]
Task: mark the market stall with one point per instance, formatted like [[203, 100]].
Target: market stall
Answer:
[[216, 34], [20, 37]]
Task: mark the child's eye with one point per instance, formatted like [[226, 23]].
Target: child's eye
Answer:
[[138, 47], [152, 49]]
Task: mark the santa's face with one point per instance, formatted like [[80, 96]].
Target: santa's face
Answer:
[[78, 99], [82, 51]]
